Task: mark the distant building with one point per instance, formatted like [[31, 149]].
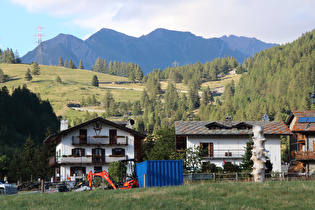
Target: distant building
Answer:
[[302, 143], [226, 141], [92, 146]]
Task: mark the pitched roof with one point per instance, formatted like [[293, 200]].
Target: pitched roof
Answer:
[[229, 128], [301, 126], [98, 119]]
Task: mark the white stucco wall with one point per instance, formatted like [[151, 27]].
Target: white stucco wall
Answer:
[[236, 145]]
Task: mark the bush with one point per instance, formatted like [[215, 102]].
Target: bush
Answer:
[[229, 167], [207, 167], [117, 170]]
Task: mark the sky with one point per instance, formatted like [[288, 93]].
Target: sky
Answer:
[[272, 21]]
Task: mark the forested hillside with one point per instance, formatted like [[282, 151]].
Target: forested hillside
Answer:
[[279, 80], [23, 114]]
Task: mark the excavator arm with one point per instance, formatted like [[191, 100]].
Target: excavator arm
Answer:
[[103, 174]]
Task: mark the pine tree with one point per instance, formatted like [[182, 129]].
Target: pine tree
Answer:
[[95, 81], [80, 65], [58, 79], [66, 63], [247, 163], [36, 69], [71, 65], [60, 62], [28, 76], [2, 77]]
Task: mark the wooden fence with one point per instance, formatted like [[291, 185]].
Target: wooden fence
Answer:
[[244, 176]]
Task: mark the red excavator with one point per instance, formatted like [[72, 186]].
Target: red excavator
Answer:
[[132, 181]]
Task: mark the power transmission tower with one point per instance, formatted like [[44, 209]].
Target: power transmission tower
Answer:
[[39, 58], [175, 64]]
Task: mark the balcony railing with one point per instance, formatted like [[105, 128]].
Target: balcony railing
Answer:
[[90, 140], [227, 153], [300, 155], [84, 160]]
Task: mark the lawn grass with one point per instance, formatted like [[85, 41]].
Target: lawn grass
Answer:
[[234, 195]]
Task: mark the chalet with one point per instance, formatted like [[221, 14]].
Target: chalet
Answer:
[[92, 146], [302, 143], [226, 141]]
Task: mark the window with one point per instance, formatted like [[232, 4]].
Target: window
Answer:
[[78, 171], [118, 152], [98, 169], [181, 142], [78, 152], [112, 136], [228, 154], [207, 149], [98, 155], [98, 151]]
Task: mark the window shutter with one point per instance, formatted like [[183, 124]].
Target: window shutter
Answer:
[[103, 155], [113, 152], [73, 152], [71, 171], [93, 151], [211, 149], [123, 152], [82, 152]]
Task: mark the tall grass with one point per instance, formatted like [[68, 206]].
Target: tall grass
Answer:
[[234, 195]]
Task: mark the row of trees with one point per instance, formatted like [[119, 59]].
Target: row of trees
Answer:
[[7, 56], [28, 163], [69, 64], [130, 70], [209, 71]]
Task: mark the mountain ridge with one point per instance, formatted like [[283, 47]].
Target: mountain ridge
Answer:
[[158, 49]]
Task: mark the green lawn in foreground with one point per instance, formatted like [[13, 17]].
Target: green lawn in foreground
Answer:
[[234, 195]]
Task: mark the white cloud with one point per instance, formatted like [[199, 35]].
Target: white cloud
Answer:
[[272, 21]]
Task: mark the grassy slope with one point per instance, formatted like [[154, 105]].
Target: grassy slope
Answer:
[[76, 84], [238, 195]]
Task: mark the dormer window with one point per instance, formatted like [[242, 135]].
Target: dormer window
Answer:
[[214, 126], [243, 126]]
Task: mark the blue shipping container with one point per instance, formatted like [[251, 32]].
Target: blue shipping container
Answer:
[[160, 173]]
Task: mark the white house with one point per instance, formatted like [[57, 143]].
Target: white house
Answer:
[[226, 141], [92, 146]]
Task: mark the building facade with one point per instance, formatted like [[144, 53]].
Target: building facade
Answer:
[[226, 141], [302, 143], [92, 146]]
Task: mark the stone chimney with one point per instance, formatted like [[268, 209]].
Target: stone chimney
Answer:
[[63, 124]]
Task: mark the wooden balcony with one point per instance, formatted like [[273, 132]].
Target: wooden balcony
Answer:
[[300, 155], [84, 160], [90, 140]]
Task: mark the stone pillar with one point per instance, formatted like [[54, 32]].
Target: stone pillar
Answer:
[[258, 154]]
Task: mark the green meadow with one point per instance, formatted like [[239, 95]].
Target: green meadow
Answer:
[[232, 195]]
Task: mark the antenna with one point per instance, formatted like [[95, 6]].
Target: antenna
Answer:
[[39, 58]]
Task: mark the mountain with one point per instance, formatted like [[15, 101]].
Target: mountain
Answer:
[[158, 49]]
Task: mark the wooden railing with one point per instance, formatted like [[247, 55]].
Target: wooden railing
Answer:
[[308, 155]]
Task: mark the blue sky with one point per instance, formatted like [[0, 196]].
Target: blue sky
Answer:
[[279, 21]]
